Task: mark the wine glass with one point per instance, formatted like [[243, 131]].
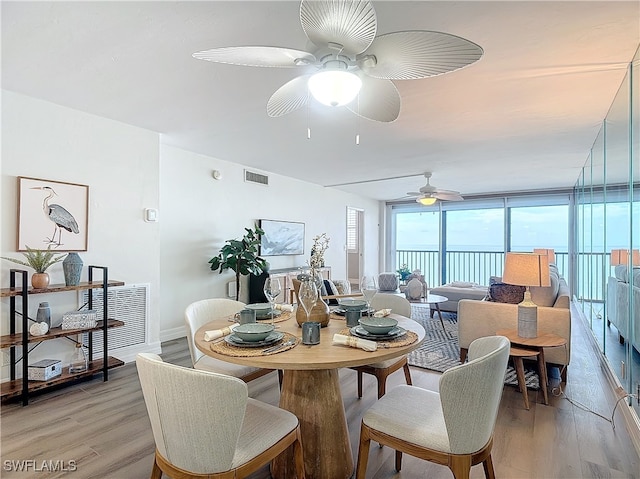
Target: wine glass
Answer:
[[308, 296], [271, 290], [368, 288]]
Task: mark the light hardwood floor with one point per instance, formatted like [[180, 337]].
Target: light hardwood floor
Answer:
[[104, 428]]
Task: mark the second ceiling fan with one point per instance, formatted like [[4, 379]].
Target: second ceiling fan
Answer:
[[429, 194], [349, 65]]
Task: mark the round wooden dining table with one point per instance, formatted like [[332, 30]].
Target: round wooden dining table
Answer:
[[311, 390]]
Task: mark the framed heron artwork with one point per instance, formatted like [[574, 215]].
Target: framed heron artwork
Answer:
[[52, 214]]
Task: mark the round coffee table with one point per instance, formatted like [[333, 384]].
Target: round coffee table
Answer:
[[434, 299]]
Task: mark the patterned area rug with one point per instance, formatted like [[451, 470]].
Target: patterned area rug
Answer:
[[440, 351]]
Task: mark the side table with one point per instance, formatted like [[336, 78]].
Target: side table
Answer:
[[536, 348]]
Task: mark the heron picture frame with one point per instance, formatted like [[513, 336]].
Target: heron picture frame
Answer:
[[52, 214]]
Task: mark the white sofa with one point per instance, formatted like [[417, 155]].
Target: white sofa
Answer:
[[618, 304], [477, 319], [454, 292]]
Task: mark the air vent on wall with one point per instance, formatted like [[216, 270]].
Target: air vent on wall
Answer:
[[129, 303], [253, 177]]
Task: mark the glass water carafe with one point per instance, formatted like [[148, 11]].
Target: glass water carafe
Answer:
[[79, 362]]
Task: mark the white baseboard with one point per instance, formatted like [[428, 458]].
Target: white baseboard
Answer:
[[128, 354], [173, 333]]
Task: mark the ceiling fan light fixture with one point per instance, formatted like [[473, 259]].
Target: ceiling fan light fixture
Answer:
[[426, 200], [335, 87]]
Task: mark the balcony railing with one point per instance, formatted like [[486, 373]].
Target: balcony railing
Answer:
[[472, 266], [479, 266]]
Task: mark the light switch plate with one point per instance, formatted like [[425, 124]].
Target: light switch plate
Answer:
[[150, 215]]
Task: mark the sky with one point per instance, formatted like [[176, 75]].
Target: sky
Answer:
[[532, 227]]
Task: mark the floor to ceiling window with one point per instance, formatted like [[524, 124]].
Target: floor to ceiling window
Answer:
[[466, 241], [474, 243], [542, 227]]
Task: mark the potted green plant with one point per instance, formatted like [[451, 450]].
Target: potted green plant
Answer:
[[39, 260], [404, 272], [241, 256]]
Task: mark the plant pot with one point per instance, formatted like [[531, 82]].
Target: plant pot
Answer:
[[40, 280]]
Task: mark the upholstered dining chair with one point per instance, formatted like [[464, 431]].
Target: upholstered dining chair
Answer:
[[200, 313], [205, 425], [453, 427], [401, 306]]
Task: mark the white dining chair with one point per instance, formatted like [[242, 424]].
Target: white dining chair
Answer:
[[382, 370], [453, 427], [205, 425], [201, 312]]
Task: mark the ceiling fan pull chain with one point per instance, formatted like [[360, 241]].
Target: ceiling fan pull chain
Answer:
[[308, 119], [358, 121]]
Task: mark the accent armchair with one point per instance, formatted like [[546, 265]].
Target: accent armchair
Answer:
[[200, 313], [454, 427], [205, 425], [381, 370]]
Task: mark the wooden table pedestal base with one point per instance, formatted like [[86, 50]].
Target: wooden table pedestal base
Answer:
[[314, 397]]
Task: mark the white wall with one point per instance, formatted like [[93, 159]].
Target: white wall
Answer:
[[118, 162], [198, 214], [127, 169]]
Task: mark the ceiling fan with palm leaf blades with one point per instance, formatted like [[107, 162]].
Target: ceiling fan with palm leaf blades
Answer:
[[429, 194], [348, 64]]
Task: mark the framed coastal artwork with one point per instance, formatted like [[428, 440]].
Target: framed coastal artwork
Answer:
[[281, 238], [52, 214]]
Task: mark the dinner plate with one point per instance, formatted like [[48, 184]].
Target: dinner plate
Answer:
[[273, 338], [360, 332], [267, 315], [341, 312], [261, 307]]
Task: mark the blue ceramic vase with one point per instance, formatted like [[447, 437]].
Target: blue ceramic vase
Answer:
[[72, 267]]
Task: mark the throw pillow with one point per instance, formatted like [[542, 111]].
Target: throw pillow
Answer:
[[500, 292], [461, 284], [546, 295], [331, 291], [387, 282], [621, 273], [342, 285]]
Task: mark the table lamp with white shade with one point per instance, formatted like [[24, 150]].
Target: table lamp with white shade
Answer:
[[527, 269], [548, 252], [621, 256]]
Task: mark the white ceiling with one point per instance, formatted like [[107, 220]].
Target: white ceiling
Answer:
[[521, 118]]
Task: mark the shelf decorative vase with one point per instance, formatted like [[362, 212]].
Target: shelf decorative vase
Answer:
[[44, 313], [40, 280], [72, 267]]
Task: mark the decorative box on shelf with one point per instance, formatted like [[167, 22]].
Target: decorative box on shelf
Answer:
[[80, 319], [45, 369]]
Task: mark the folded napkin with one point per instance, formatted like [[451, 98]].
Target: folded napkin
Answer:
[[382, 313], [218, 333], [284, 307], [364, 344]]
